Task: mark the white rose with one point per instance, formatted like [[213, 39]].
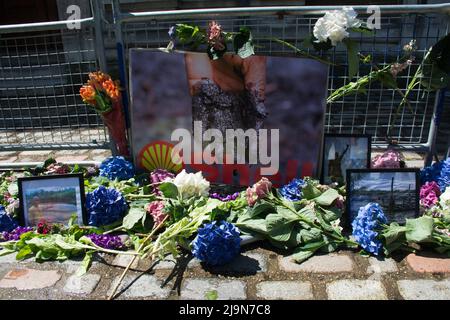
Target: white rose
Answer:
[[444, 199], [191, 184], [334, 24], [350, 16]]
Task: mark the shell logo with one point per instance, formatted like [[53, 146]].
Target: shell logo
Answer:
[[158, 155]]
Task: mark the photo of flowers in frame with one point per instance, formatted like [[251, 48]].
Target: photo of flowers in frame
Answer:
[[395, 190], [53, 198], [341, 152]]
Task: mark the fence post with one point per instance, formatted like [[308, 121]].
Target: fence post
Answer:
[[97, 14]]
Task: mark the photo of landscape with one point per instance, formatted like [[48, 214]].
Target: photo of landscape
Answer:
[[395, 191], [52, 200]]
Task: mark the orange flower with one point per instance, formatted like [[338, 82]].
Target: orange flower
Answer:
[[88, 93], [111, 88]]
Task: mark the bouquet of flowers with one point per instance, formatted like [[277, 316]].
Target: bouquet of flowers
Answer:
[[103, 94]]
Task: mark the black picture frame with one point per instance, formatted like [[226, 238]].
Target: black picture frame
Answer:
[[343, 135], [347, 219], [22, 180]]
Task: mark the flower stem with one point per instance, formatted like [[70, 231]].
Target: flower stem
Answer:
[[150, 235]]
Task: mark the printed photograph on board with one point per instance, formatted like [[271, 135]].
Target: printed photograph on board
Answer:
[[242, 115]]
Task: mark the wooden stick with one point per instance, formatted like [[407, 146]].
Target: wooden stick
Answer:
[[113, 293]]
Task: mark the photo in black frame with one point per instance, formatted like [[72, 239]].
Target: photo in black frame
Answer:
[[341, 152], [53, 198], [395, 190]]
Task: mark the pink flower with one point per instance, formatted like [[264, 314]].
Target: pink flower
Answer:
[[389, 159], [155, 209], [259, 190], [58, 168], [157, 176], [214, 31], [339, 202], [215, 37], [429, 194]]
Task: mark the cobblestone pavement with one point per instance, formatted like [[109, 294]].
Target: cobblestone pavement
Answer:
[[258, 273]]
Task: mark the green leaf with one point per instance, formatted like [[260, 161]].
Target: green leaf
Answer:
[[211, 295], [278, 228], [134, 216], [169, 190], [243, 44], [352, 56], [327, 198], [257, 225], [311, 235], [310, 191], [420, 229], [331, 214], [261, 209], [24, 253], [85, 264], [393, 233], [287, 214]]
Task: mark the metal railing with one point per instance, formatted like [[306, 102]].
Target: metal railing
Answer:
[[374, 113], [42, 66]]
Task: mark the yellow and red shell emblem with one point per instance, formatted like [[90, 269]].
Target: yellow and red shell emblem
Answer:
[[158, 155]]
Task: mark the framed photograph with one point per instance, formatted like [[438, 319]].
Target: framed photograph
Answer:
[[54, 198], [395, 190], [341, 152]]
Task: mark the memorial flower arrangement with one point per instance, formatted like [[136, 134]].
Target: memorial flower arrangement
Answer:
[[103, 94], [167, 214]]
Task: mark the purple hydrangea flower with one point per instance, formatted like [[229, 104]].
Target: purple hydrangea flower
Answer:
[[157, 176], [216, 243], [106, 241], [15, 234], [224, 198]]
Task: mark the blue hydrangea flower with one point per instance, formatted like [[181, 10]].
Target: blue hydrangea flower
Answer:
[[216, 243], [443, 180], [7, 223], [105, 206], [117, 168], [293, 190], [366, 226]]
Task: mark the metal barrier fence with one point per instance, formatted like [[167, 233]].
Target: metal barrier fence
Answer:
[[42, 66], [375, 113]]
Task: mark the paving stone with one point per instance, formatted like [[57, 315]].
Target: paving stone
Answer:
[[356, 290], [141, 286], [6, 154], [122, 260], [196, 289], [28, 279], [421, 289], [428, 264], [9, 258], [329, 263], [82, 285], [246, 263], [169, 263], [381, 266], [284, 290]]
